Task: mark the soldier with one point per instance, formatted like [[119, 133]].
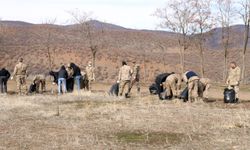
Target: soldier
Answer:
[[192, 80], [124, 78], [233, 80], [204, 86], [135, 77], [4, 76], [20, 72], [90, 74], [172, 85], [40, 80]]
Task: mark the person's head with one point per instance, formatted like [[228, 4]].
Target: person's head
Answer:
[[63, 67], [89, 63], [233, 65], [20, 59], [71, 65], [124, 63]]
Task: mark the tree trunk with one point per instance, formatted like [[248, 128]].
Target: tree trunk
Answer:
[[145, 71], [244, 52]]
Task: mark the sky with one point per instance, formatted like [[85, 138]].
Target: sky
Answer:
[[136, 14]]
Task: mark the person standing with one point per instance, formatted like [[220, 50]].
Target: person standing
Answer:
[[124, 79], [4, 77], [20, 72], [192, 80], [233, 80], [77, 75], [90, 74], [62, 76], [135, 77]]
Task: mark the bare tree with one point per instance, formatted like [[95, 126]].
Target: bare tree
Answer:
[[204, 22], [245, 15], [225, 16], [94, 37], [50, 47], [178, 16]]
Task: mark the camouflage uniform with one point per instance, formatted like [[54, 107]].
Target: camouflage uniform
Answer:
[[233, 80], [20, 72], [90, 75], [173, 85], [192, 81], [40, 80], [204, 86], [135, 78], [124, 78]]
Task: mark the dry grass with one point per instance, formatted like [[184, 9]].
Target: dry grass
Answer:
[[97, 121]]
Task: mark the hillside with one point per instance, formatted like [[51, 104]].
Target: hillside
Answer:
[[156, 51]]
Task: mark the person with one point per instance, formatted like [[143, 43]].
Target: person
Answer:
[[204, 86], [20, 72], [90, 74], [4, 77], [172, 85], [77, 75], [135, 77], [192, 80], [233, 79], [62, 76], [124, 79], [70, 71], [38, 80]]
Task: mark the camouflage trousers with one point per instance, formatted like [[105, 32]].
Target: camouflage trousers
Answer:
[[42, 83], [122, 86], [171, 88], [203, 90], [135, 82], [89, 85], [21, 84], [193, 87]]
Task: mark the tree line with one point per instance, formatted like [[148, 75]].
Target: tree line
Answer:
[[196, 17]]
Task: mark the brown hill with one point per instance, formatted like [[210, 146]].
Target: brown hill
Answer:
[[156, 51]]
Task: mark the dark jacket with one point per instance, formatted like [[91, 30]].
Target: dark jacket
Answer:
[[62, 73], [190, 74], [76, 69], [4, 73]]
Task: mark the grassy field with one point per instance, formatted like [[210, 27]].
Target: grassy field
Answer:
[[98, 121]]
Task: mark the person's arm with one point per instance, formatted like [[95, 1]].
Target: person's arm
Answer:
[[179, 82], [238, 73], [93, 72], [119, 75], [7, 75]]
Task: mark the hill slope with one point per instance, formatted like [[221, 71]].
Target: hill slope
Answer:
[[156, 51]]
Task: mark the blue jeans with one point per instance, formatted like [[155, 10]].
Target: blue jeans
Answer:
[[78, 83], [62, 83]]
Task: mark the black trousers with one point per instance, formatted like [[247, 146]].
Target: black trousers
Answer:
[[3, 84]]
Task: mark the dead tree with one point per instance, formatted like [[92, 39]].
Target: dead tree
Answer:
[[204, 22], [245, 15], [225, 16], [178, 16], [93, 35]]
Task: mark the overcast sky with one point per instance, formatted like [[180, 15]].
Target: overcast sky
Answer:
[[128, 13]]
